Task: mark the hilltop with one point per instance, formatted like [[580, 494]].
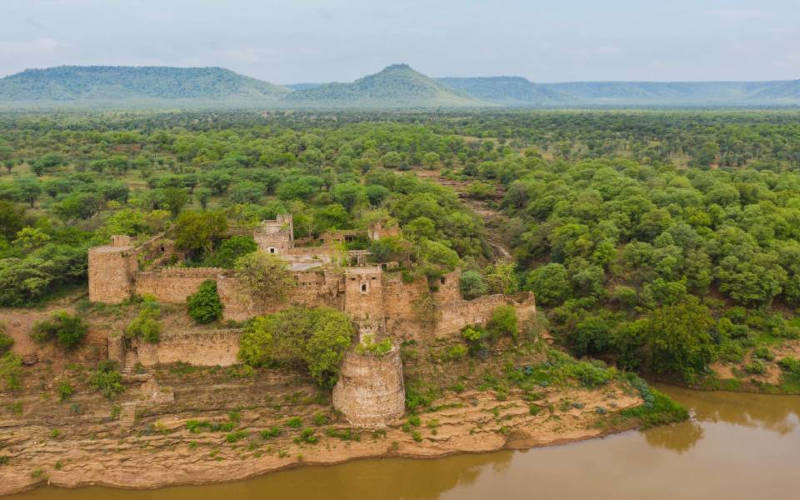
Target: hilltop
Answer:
[[132, 85], [396, 86]]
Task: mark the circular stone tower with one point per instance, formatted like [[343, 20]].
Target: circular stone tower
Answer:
[[370, 390]]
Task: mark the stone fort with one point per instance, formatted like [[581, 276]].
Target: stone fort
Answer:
[[377, 298]]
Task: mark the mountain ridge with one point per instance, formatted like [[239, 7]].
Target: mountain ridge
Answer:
[[397, 86]]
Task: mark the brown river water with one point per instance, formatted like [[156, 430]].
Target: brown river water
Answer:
[[736, 446]]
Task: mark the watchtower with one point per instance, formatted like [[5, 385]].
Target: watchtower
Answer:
[[363, 298], [111, 271], [275, 236]]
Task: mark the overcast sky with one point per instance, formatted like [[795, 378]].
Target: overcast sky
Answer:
[[340, 40]]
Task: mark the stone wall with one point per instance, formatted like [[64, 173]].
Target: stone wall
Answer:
[[111, 270], [196, 347], [405, 317], [453, 316], [370, 391], [314, 288], [363, 298], [174, 284]]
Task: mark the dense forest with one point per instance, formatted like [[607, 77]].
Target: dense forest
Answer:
[[662, 242]]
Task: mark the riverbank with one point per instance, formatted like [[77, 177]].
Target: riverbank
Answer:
[[189, 425]]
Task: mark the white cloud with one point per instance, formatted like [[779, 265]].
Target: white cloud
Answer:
[[31, 47]]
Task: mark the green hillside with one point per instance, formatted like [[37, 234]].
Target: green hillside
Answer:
[[507, 90], [397, 86], [116, 84], [519, 92]]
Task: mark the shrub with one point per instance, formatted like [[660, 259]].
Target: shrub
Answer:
[[6, 342], [204, 305], [472, 285], [68, 330], [476, 338], [11, 371], [456, 352], [369, 347], [270, 433], [294, 422], [503, 322], [755, 367], [65, 390], [308, 436], [764, 353], [146, 326], [106, 379]]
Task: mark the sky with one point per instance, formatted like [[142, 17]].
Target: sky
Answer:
[[340, 40]]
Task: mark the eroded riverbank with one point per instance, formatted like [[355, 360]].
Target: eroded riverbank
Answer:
[[737, 446]]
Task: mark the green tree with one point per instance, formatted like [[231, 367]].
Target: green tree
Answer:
[[198, 232], [68, 330], [550, 284], [204, 305], [472, 285], [678, 340], [264, 275], [315, 339]]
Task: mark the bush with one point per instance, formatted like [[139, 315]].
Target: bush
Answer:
[[6, 342], [764, 353], [472, 285], [476, 338], [503, 322], [204, 305], [146, 326], [368, 346], [65, 390], [68, 330], [11, 371], [756, 367], [106, 379]]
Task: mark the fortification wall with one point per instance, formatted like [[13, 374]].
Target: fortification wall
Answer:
[[451, 317], [363, 298], [315, 288], [403, 307], [370, 391], [196, 347], [448, 287], [174, 284]]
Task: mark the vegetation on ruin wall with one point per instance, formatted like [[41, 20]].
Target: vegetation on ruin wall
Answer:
[[618, 221]]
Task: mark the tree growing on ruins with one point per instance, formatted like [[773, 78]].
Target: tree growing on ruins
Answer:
[[204, 305], [315, 339], [264, 275], [197, 232]]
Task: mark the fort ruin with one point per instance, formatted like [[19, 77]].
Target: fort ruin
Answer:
[[375, 296]]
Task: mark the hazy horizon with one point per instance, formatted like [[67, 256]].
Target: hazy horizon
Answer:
[[312, 41]]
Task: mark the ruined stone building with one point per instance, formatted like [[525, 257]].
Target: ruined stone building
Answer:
[[378, 300]]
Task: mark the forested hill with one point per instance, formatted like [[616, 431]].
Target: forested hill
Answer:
[[397, 86], [517, 91], [508, 91], [132, 85]]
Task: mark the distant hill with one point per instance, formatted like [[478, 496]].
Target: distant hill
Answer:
[[124, 84], [517, 91], [397, 86], [507, 90]]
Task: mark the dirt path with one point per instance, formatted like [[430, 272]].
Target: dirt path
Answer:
[[492, 218]]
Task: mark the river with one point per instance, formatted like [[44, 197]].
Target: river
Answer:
[[736, 446]]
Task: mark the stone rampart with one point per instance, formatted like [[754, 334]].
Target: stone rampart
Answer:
[[196, 347], [174, 284], [370, 391], [451, 317]]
